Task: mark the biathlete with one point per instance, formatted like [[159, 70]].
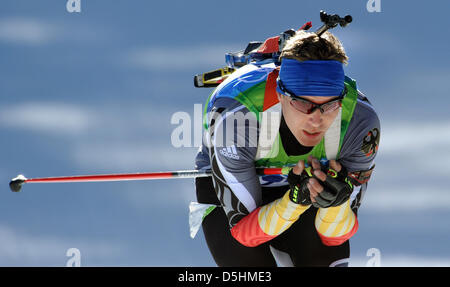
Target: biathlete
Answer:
[[305, 114]]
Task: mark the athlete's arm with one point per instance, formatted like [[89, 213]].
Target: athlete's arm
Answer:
[[270, 220], [335, 225]]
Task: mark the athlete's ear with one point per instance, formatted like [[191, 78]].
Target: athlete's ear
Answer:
[[280, 96]]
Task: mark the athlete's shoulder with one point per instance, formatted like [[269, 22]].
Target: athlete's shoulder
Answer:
[[364, 115], [361, 141]]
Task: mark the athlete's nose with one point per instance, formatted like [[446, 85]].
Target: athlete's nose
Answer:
[[315, 118]]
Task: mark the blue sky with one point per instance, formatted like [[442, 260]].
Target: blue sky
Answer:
[[94, 92]]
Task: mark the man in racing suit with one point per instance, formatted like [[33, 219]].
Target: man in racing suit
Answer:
[[305, 114]]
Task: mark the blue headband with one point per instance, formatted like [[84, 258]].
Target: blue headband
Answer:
[[312, 78]]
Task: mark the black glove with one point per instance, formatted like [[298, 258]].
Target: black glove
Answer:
[[336, 189], [299, 192]]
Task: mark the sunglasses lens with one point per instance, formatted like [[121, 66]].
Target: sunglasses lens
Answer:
[[302, 106], [307, 107], [329, 107]]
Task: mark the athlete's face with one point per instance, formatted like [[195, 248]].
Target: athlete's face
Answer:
[[308, 129]]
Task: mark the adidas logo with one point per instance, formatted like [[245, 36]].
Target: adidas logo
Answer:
[[229, 152]]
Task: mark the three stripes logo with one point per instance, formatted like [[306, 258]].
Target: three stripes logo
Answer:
[[229, 152]]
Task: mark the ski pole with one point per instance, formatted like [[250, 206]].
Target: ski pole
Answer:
[[17, 182]]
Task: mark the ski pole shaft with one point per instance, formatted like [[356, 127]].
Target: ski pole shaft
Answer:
[[17, 182]]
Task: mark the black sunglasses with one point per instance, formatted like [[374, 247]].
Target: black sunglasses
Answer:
[[307, 107]]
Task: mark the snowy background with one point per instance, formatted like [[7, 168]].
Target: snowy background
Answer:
[[94, 92]]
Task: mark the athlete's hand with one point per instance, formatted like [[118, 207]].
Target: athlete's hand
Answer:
[[331, 188], [298, 179]]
